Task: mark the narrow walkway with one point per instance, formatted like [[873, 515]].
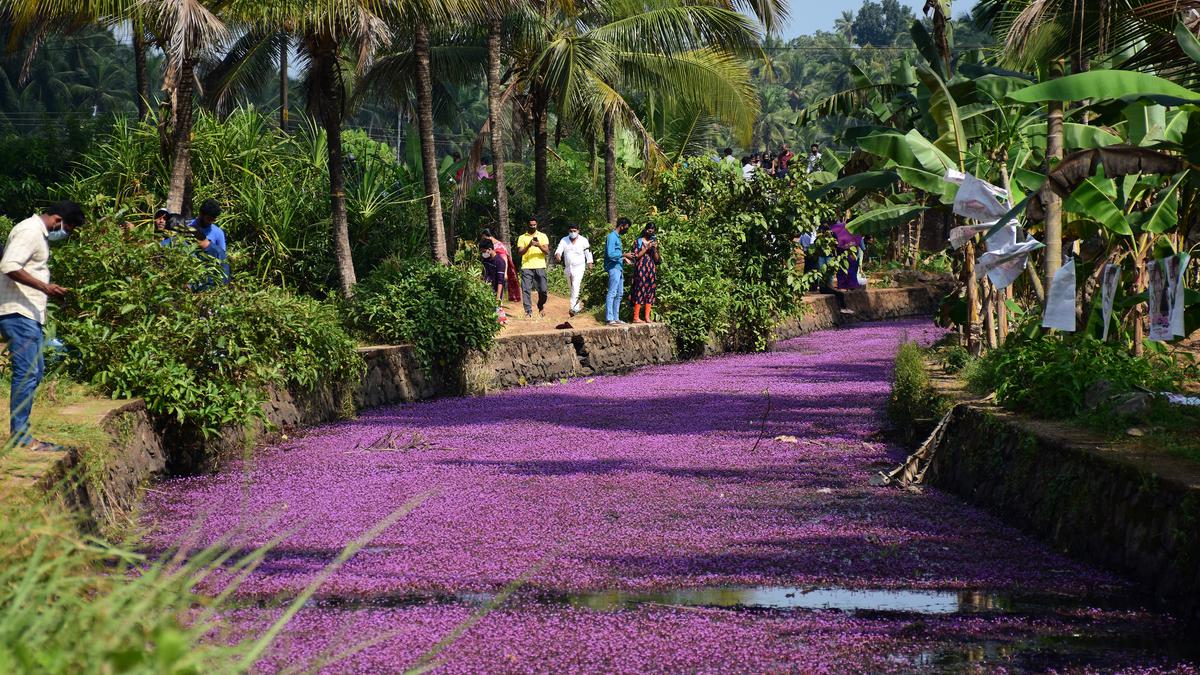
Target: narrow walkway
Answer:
[[691, 517]]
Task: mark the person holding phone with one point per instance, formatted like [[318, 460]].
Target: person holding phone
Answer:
[[25, 290]]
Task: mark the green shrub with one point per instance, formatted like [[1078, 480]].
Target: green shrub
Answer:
[[134, 328], [1048, 375], [445, 312], [913, 397], [729, 264]]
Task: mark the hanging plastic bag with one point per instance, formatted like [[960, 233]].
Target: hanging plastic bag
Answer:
[[980, 201], [1004, 266], [1060, 299], [1108, 291], [1005, 236]]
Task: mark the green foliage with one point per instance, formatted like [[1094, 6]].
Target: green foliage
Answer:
[[575, 196], [445, 312], [912, 397], [273, 189], [135, 329], [31, 163], [729, 263], [1048, 376]]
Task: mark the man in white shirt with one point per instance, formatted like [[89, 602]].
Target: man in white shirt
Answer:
[[25, 289], [575, 254], [814, 158]]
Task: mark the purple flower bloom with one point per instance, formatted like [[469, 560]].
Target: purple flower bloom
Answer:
[[648, 481]]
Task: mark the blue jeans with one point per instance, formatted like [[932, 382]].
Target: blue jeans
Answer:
[[616, 288], [24, 337]]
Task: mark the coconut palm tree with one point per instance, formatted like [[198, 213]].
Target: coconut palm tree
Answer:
[[185, 29], [337, 38], [584, 61]]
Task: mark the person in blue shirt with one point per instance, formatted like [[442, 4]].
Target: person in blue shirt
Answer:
[[614, 262], [209, 237]]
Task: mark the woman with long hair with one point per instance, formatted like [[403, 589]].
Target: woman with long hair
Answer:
[[646, 258]]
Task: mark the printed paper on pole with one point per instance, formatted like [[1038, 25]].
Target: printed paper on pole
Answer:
[[980, 201], [1060, 299], [1159, 300], [1004, 266], [1108, 291], [1176, 265]]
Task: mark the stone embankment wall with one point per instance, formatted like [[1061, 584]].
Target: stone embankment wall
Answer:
[[1100, 502], [145, 447]]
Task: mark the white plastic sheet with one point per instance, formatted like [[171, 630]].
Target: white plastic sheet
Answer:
[[1003, 237], [1004, 266], [1108, 291], [1060, 299], [980, 201]]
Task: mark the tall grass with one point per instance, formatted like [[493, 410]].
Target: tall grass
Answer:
[[71, 603]]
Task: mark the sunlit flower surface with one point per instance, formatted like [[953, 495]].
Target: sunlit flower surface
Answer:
[[732, 471]]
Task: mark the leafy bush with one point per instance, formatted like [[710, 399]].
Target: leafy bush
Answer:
[[1048, 376], [134, 328], [445, 312], [729, 263], [913, 397]]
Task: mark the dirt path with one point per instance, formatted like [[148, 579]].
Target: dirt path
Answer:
[[710, 516], [557, 311]]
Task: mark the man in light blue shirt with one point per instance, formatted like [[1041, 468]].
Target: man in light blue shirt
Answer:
[[614, 261]]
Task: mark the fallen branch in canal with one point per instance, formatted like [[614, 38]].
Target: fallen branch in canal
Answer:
[[762, 425]]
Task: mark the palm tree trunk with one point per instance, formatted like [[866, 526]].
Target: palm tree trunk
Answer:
[[139, 69], [283, 83], [541, 199], [331, 120], [497, 138], [1054, 154], [433, 192], [181, 137], [610, 168]]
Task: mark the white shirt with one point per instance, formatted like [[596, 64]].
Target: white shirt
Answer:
[[29, 249], [574, 253], [748, 171]]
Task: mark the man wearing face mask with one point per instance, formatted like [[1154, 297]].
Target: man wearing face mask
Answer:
[[575, 254], [25, 289], [533, 247]]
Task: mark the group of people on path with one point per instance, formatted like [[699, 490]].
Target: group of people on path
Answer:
[[574, 253]]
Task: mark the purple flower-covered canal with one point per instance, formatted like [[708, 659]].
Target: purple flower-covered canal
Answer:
[[710, 516]]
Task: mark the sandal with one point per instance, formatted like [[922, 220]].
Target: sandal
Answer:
[[43, 446]]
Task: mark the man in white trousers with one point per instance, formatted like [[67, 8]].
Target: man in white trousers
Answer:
[[575, 254]]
